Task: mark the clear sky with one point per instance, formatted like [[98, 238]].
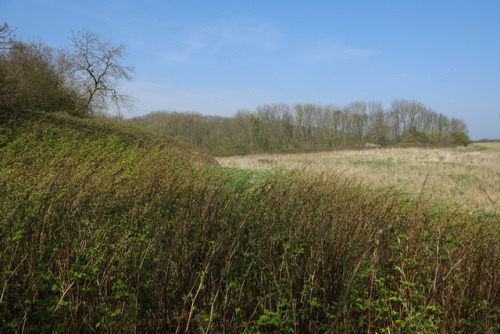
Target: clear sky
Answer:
[[215, 57]]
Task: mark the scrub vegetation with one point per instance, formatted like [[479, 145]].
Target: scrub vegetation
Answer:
[[106, 227]]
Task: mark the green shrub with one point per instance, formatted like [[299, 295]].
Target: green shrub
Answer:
[[461, 139]]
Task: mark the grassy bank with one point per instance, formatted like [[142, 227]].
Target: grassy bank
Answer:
[[109, 228]]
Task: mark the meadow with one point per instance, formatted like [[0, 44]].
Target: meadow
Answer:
[[467, 178], [105, 227]]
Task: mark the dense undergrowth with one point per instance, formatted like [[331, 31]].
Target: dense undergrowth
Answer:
[[105, 227]]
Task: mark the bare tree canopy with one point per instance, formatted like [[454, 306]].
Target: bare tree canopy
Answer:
[[99, 67], [6, 36]]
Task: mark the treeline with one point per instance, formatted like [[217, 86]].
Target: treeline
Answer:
[[487, 140], [284, 127], [80, 79]]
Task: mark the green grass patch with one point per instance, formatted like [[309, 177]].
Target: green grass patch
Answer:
[[375, 164], [473, 148], [236, 176]]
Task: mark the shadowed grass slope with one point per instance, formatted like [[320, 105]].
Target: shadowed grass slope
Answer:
[[104, 227]]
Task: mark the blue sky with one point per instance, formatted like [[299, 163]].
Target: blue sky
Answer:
[[215, 57]]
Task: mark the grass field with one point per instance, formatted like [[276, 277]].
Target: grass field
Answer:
[[464, 177]]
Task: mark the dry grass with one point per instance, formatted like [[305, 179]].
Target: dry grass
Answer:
[[469, 177]]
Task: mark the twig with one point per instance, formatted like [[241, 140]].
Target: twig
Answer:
[[454, 266], [196, 296], [62, 297], [437, 261], [212, 308], [493, 203]]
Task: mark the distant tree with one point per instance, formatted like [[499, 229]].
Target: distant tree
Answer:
[[256, 129], [99, 66], [359, 119], [377, 119], [460, 138], [276, 124], [458, 126]]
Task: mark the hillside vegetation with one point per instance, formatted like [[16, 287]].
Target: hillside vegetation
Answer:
[[105, 227]]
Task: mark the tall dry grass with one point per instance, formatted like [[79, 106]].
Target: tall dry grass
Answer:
[[464, 177]]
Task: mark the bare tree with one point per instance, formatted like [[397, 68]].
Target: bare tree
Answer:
[[99, 68], [6, 36]]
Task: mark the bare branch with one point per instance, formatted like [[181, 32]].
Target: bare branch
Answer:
[[6, 37], [99, 65]]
